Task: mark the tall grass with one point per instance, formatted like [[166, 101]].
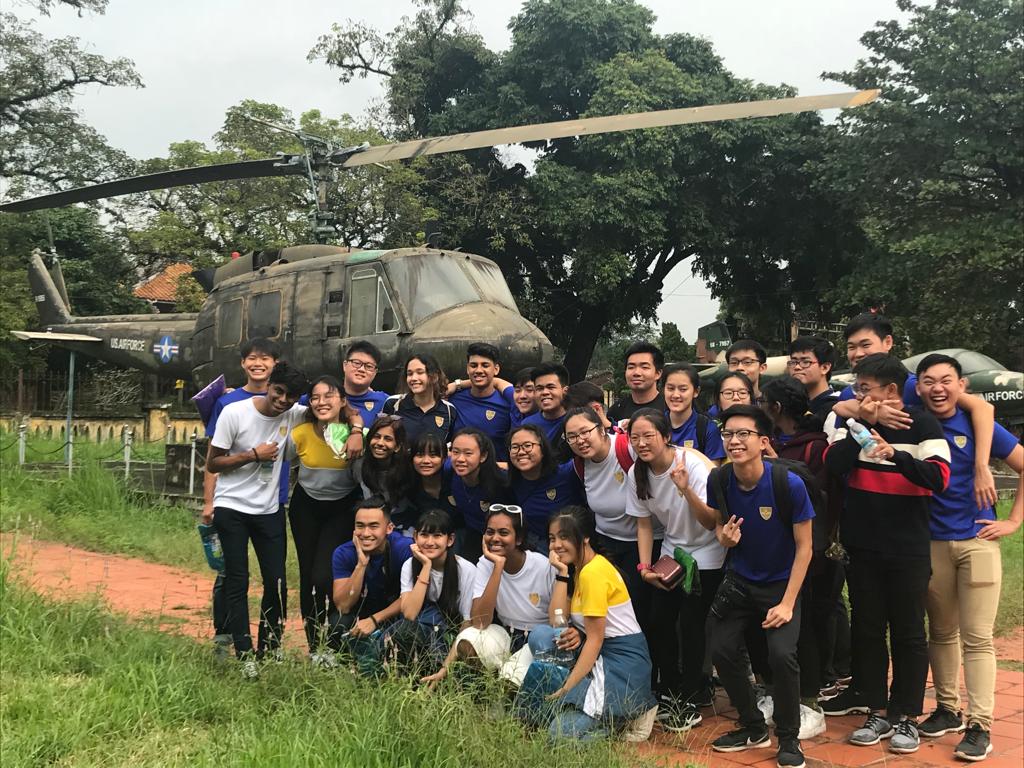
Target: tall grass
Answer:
[[49, 449], [81, 688]]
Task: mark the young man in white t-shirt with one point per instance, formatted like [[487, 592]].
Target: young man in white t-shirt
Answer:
[[245, 452]]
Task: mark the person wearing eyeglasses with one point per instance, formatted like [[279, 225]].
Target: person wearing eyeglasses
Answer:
[[539, 483], [748, 358], [733, 389], [321, 511], [513, 584], [359, 368], [885, 529], [678, 615], [811, 360], [769, 551]]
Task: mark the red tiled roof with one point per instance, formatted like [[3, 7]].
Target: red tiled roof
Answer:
[[164, 286]]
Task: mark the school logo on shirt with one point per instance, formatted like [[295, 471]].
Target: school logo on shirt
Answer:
[[534, 598], [489, 414], [620, 478], [439, 420], [687, 443], [551, 493], [282, 430], [451, 500], [368, 405], [766, 513], [960, 441]]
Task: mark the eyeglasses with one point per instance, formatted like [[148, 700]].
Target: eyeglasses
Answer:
[[735, 394], [864, 390], [800, 363], [314, 399], [522, 447], [360, 365], [508, 509], [742, 434], [574, 437], [747, 361]]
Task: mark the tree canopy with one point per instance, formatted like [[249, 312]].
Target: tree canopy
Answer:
[[593, 232]]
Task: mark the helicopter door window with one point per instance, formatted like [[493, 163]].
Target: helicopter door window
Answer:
[[371, 309], [265, 315], [229, 323]]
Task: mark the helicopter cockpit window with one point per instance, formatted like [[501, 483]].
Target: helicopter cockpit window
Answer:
[[265, 315], [429, 283], [492, 283], [229, 323], [371, 308]]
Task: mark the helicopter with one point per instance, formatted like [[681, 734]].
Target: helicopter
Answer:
[[314, 300]]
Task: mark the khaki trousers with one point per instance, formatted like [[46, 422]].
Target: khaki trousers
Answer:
[[963, 598]]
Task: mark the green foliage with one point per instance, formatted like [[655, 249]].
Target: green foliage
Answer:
[[672, 344], [375, 207], [943, 210], [595, 231]]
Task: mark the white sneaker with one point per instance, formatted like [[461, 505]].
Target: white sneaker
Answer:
[[767, 707], [812, 723], [250, 669], [639, 728]]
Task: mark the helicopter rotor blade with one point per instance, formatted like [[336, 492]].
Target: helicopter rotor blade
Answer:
[[284, 165], [594, 125]]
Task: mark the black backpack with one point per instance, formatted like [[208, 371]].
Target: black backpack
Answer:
[[718, 482]]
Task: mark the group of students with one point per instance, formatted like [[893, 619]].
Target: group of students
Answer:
[[606, 564]]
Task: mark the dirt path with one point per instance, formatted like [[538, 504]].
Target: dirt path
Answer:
[[178, 600]]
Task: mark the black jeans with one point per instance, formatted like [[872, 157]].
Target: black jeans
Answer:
[[220, 606], [270, 542], [678, 622], [747, 604], [888, 592], [318, 528], [822, 587]]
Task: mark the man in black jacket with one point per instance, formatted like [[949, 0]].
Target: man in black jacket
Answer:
[[884, 527]]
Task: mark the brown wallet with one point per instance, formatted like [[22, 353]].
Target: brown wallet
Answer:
[[670, 571]]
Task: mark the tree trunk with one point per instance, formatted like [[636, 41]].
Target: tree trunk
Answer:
[[584, 338]]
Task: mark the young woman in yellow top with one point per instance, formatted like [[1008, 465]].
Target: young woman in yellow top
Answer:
[[320, 512], [610, 682]]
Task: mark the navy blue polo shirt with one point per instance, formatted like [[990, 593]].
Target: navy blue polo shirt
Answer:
[[367, 404], [439, 419], [542, 497], [491, 414], [375, 597]]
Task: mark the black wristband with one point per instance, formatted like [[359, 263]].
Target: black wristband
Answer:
[[563, 579], [374, 620]]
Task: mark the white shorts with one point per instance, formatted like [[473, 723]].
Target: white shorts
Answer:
[[493, 646]]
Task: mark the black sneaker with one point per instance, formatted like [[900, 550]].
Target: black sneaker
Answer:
[[741, 739], [848, 702], [940, 722], [790, 754], [705, 697], [975, 745]]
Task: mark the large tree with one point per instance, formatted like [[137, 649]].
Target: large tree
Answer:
[[937, 172], [588, 239]]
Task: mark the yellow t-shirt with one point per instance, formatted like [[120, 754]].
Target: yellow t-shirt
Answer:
[[323, 476], [600, 591]]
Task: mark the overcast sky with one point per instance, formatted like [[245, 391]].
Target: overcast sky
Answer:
[[199, 57]]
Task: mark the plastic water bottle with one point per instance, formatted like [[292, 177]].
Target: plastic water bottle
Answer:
[[862, 436], [212, 546], [559, 656], [265, 471]]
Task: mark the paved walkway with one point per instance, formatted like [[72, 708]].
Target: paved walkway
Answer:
[[178, 600]]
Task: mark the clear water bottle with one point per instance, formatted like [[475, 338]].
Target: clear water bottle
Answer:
[[559, 656], [265, 473], [862, 436]]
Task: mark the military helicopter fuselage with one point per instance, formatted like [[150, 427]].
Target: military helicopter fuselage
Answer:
[[314, 301]]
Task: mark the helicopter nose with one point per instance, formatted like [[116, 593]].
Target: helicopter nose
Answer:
[[447, 334]]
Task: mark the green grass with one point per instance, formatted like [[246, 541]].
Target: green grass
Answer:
[[41, 449], [81, 688], [1011, 599]]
